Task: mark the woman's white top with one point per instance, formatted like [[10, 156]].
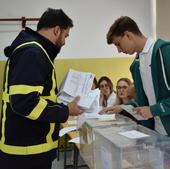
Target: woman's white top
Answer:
[[111, 99]]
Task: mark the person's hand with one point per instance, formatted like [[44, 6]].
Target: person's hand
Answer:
[[144, 112], [103, 110], [74, 110], [111, 110], [117, 109]]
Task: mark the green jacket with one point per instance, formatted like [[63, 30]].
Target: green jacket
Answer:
[[160, 70]]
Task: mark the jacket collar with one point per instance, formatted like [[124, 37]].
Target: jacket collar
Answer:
[[148, 45], [50, 48]]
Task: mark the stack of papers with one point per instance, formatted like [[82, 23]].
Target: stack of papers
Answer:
[[100, 116], [129, 109], [78, 83]]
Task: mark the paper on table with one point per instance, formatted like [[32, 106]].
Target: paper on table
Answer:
[[133, 134], [75, 140], [72, 122], [100, 116], [106, 117], [129, 109], [66, 130]]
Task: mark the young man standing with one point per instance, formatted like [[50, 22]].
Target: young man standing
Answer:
[[31, 116], [150, 72]]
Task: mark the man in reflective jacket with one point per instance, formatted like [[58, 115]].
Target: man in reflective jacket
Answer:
[[30, 113]]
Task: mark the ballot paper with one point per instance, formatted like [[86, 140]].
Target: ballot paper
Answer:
[[129, 109], [72, 122], [75, 140], [100, 117], [66, 130], [78, 83], [133, 134]]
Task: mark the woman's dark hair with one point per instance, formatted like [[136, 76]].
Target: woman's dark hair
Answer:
[[54, 17], [108, 81], [95, 82]]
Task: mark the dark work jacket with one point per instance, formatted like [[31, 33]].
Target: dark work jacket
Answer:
[[30, 113]]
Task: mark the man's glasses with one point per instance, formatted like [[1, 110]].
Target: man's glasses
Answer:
[[121, 87]]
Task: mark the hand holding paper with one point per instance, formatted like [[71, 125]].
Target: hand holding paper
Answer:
[[131, 110], [144, 112], [74, 110], [78, 83], [111, 110]]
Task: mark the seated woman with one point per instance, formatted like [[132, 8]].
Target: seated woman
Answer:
[[108, 96], [124, 92]]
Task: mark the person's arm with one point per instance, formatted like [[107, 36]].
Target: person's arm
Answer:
[[162, 108], [111, 109], [28, 75]]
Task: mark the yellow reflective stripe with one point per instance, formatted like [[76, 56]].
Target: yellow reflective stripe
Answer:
[[36, 43], [49, 135], [46, 97], [3, 122], [24, 89], [52, 92], [6, 78], [38, 110], [53, 96], [5, 97], [28, 150]]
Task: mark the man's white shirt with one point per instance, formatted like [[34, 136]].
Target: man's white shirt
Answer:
[[145, 70]]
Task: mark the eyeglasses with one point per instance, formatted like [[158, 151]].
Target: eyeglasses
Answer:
[[104, 86], [121, 87]]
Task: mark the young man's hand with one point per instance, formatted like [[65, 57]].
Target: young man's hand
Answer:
[[74, 110], [144, 111]]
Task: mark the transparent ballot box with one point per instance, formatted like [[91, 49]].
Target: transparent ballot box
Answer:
[[87, 135], [131, 147]]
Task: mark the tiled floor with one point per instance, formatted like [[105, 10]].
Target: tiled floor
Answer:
[[60, 164]]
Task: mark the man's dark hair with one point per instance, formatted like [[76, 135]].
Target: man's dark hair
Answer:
[[122, 24], [54, 17]]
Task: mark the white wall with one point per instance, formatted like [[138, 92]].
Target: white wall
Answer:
[[163, 23], [92, 19]]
